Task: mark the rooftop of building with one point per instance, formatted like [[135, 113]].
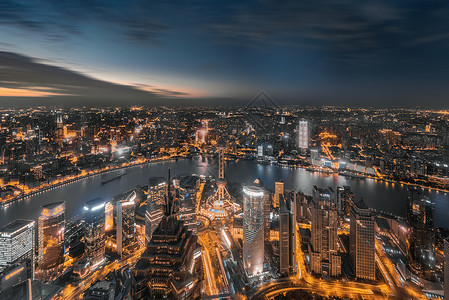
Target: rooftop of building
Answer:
[[52, 205], [94, 202], [156, 180], [382, 223], [361, 204], [15, 225]]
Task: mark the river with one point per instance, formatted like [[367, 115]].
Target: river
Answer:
[[380, 195]]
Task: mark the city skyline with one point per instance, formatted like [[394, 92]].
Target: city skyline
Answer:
[[254, 149]]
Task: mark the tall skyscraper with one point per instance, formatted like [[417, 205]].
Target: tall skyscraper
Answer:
[[51, 229], [125, 227], [17, 245], [253, 229], [344, 197], [303, 135], [278, 190], [362, 241], [95, 228], [59, 130], [420, 217], [157, 188], [287, 233], [171, 265], [324, 257], [446, 269]]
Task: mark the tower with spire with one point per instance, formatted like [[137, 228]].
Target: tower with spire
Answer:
[[171, 265]]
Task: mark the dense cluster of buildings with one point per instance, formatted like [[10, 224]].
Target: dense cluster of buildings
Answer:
[[194, 236]]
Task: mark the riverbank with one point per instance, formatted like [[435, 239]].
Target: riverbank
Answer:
[[62, 182], [364, 176]]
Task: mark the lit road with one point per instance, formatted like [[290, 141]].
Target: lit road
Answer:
[[76, 292], [303, 280], [210, 276]]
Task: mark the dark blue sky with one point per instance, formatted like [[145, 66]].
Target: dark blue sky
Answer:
[[304, 52]]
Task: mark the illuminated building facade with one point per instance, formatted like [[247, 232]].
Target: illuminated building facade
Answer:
[[157, 188], [171, 265], [287, 232], [17, 245], [362, 241], [126, 222], [59, 130], [253, 229], [345, 199], [303, 135], [51, 228], [446, 269], [324, 211], [95, 230], [421, 219], [278, 190], [186, 188]]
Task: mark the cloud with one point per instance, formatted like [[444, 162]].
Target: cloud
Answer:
[[343, 29], [22, 76], [61, 20]]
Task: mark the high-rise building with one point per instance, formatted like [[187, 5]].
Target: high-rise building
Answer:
[[171, 265], [420, 217], [303, 135], [51, 230], [362, 241], [186, 192], [324, 257], [157, 188], [287, 232], [253, 233], [17, 245], [125, 226], [59, 130], [345, 200], [278, 190], [446, 269], [95, 231]]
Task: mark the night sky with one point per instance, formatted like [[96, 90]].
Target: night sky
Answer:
[[340, 52]]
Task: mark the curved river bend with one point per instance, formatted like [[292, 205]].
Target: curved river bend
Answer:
[[382, 196]]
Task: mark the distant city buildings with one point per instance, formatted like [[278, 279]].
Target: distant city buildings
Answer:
[[253, 233], [362, 241], [51, 230]]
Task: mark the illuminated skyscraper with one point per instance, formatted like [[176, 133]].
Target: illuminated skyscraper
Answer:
[[171, 265], [446, 269], [362, 241], [420, 217], [17, 245], [59, 129], [157, 189], [278, 190], [287, 232], [51, 228], [125, 234], [303, 135], [95, 228], [253, 229], [324, 210]]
